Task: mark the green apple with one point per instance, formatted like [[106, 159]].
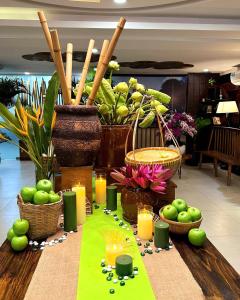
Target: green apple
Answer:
[[20, 226], [41, 197], [54, 198], [27, 193], [44, 185], [52, 192], [184, 217], [170, 212], [180, 204], [197, 236], [19, 243], [10, 234], [195, 213]]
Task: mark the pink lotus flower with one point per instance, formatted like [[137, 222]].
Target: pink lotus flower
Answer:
[[144, 177]]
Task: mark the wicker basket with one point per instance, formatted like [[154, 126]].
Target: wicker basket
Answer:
[[177, 227], [43, 219], [154, 155]]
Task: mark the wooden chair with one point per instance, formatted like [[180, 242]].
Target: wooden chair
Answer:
[[224, 145]]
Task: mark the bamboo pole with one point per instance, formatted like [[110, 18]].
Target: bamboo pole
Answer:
[[46, 31], [59, 66], [84, 72], [104, 64], [102, 54], [69, 55]]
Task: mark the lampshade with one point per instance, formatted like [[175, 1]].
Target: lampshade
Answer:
[[226, 107]]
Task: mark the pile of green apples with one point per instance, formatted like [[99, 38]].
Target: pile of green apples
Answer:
[[41, 194], [17, 235], [179, 211]]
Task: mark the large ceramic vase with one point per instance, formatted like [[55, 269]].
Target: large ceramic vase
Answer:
[[112, 150], [131, 199], [76, 135]]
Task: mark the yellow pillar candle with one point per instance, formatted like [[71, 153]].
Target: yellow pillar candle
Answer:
[[101, 189], [80, 203], [112, 252], [145, 224]]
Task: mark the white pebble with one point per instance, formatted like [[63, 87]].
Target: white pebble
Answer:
[[35, 243], [128, 228], [46, 243], [170, 247], [42, 243], [149, 248], [109, 269], [135, 272], [71, 231], [56, 242], [64, 237], [30, 242], [138, 239], [42, 248], [113, 267], [50, 244], [160, 249], [103, 260], [125, 277], [115, 280]]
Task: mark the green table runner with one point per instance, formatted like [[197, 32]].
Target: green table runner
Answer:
[[92, 283]]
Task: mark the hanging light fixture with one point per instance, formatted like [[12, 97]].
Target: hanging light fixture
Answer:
[[235, 77]]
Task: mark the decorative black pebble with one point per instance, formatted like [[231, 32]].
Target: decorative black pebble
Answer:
[[75, 230], [134, 226], [151, 241], [115, 215], [111, 291], [146, 251], [103, 264], [104, 271], [142, 254], [157, 251], [135, 269], [122, 283], [139, 244], [56, 240], [131, 276], [147, 244], [94, 201], [120, 278], [150, 252], [96, 206], [107, 213], [167, 248], [60, 241], [61, 224], [65, 233], [121, 224], [135, 233], [109, 278], [110, 274]]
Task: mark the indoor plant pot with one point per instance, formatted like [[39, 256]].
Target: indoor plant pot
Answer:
[[76, 135], [131, 198], [112, 150]]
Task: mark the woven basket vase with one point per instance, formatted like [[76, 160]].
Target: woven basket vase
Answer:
[[179, 228], [43, 219], [172, 162]]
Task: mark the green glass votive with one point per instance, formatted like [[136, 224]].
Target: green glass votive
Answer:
[[112, 197], [161, 235], [70, 211]]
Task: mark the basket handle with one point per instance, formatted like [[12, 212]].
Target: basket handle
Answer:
[[160, 120]]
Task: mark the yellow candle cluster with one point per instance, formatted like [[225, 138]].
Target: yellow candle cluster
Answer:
[[80, 203]]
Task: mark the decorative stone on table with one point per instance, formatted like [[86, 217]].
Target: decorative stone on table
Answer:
[[70, 213], [124, 265], [161, 235], [112, 197]]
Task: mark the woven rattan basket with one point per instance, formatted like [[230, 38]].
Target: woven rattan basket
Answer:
[[43, 219], [177, 227], [168, 157]]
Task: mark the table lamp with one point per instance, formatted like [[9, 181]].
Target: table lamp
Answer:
[[227, 107]]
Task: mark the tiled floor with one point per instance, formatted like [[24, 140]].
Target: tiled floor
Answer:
[[219, 203]]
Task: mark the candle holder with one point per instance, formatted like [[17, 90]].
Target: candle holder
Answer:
[[101, 188], [145, 222]]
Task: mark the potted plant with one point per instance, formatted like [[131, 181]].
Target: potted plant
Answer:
[[144, 184], [33, 126], [118, 105]]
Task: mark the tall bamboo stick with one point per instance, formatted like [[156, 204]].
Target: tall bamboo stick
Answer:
[[104, 64], [46, 31], [69, 55], [102, 54], [59, 66], [84, 72]]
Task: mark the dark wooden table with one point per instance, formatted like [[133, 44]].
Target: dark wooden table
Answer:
[[214, 274]]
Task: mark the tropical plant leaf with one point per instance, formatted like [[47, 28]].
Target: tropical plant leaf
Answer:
[[8, 116], [108, 92], [51, 96]]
